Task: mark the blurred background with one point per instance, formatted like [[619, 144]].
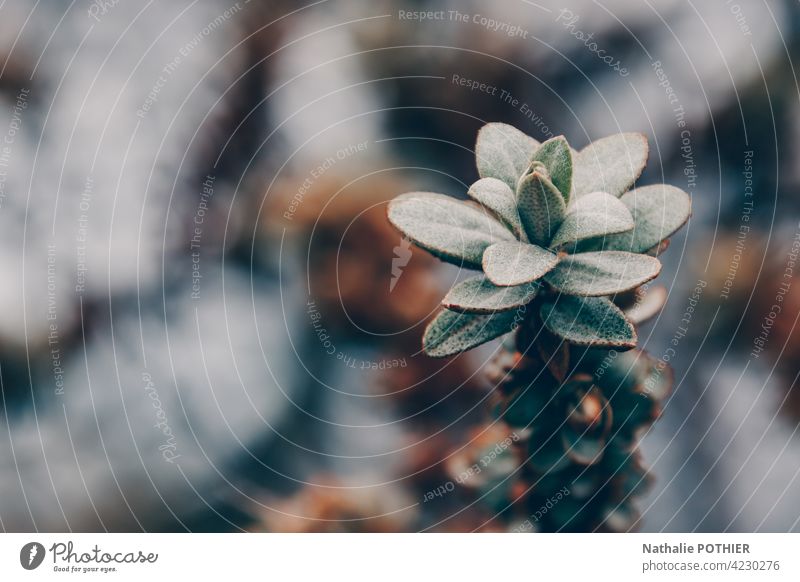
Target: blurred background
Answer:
[[207, 324]]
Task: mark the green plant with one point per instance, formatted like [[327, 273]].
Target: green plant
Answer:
[[564, 248]]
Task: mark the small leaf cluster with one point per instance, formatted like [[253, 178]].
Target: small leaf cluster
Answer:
[[548, 226]]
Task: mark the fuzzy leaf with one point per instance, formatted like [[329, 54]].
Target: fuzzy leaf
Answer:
[[596, 214], [479, 295], [611, 164], [582, 447], [602, 273], [548, 457], [636, 371], [524, 404], [633, 410], [503, 152], [514, 263], [636, 481], [451, 230], [451, 333], [658, 211], [556, 155], [496, 195], [554, 352], [648, 304], [541, 207], [611, 372], [620, 518], [588, 321], [658, 380], [658, 249]]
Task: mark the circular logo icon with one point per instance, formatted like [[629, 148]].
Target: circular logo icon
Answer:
[[31, 555]]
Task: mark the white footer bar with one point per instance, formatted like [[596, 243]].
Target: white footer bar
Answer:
[[401, 557]]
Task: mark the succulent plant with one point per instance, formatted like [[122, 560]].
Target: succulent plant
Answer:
[[552, 226], [565, 249]]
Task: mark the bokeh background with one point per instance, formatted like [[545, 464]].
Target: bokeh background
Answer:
[[206, 323]]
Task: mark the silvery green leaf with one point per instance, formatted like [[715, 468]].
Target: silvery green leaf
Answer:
[[454, 231], [479, 295], [636, 481], [554, 352], [588, 321], [602, 273], [582, 447], [547, 456], [519, 408], [638, 371], [498, 197], [647, 305], [595, 214], [633, 410], [515, 263], [503, 152], [556, 155], [620, 517], [541, 207], [451, 332], [611, 164], [658, 211], [658, 249]]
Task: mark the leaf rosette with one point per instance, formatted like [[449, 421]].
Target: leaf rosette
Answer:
[[557, 234]]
